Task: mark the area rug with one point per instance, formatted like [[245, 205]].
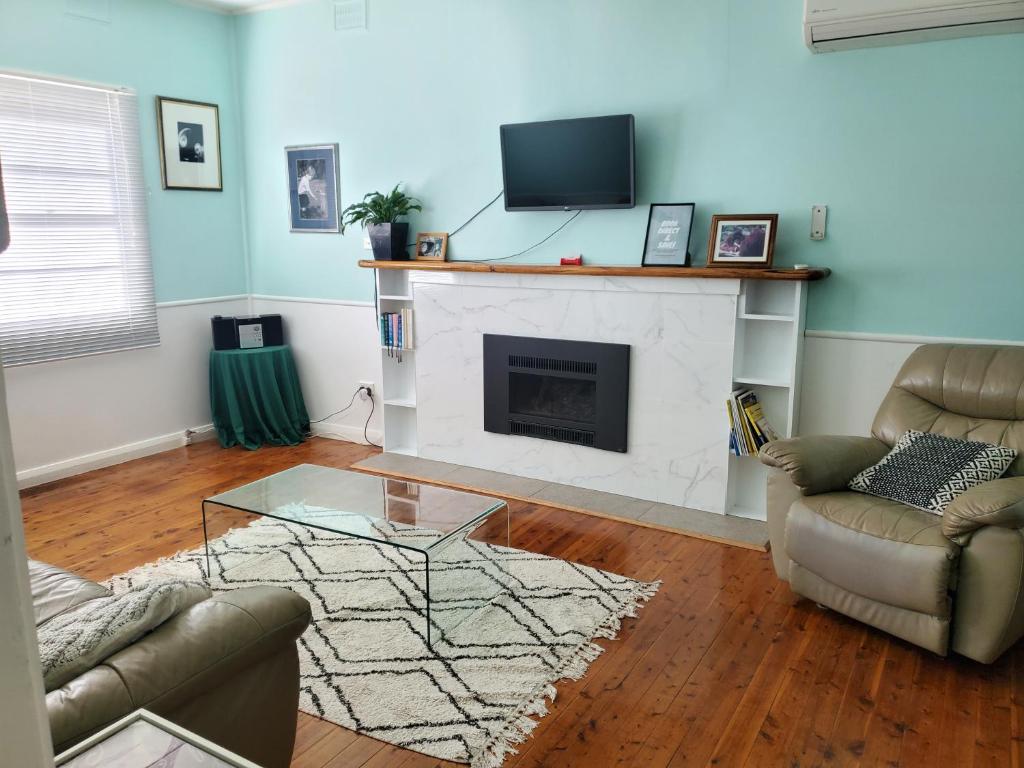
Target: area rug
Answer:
[[365, 663]]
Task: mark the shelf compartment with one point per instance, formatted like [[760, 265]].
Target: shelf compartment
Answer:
[[747, 488], [764, 353]]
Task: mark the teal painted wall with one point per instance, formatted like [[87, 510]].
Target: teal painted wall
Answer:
[[155, 47], [918, 150]]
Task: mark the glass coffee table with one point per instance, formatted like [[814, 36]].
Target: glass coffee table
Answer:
[[423, 520]]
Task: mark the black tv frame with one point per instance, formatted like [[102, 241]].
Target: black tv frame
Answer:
[[600, 207]]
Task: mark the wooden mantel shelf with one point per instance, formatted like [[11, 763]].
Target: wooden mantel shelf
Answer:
[[730, 273]]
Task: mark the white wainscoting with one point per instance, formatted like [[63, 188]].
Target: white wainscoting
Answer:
[[336, 346], [71, 416]]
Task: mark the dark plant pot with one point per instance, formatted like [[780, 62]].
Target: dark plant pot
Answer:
[[389, 241]]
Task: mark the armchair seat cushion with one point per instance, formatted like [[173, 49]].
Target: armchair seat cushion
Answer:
[[874, 548]]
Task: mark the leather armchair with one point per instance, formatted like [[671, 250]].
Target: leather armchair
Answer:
[[896, 567], [226, 668]]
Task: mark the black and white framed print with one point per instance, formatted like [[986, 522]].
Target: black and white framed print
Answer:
[[189, 144], [668, 235], [313, 191], [742, 240]]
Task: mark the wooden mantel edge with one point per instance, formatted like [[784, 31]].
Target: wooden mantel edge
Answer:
[[729, 273]]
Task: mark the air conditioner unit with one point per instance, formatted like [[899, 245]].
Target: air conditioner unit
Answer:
[[836, 25]]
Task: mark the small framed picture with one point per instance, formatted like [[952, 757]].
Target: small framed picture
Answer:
[[189, 134], [742, 240], [313, 190], [668, 235], [431, 246]]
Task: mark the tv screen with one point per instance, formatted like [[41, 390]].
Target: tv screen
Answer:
[[569, 164]]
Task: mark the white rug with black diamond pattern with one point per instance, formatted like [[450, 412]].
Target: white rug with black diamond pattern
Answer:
[[365, 662]]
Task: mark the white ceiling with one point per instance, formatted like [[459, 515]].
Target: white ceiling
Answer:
[[239, 6]]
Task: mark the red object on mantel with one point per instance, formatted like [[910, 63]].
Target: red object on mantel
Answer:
[[572, 261]]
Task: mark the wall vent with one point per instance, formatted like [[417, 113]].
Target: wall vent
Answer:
[[557, 365], [551, 432], [349, 15]]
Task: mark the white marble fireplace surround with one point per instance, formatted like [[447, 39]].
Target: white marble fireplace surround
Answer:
[[681, 334]]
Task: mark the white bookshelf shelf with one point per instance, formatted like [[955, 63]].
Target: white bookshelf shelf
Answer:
[[396, 350], [398, 367], [400, 402], [390, 297], [767, 354]]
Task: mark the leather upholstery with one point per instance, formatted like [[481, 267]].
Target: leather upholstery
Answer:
[[226, 668], [54, 590], [999, 502], [823, 463], [971, 393], [952, 581]]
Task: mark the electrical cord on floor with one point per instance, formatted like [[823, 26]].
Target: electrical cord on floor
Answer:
[[535, 245], [350, 402], [367, 424]]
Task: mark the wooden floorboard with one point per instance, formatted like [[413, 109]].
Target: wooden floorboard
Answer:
[[725, 666]]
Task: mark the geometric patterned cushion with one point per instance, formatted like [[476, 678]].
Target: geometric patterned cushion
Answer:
[[928, 471]]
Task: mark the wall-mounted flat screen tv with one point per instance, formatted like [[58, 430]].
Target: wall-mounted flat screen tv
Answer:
[[563, 165]]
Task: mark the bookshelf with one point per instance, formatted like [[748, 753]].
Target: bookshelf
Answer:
[[398, 387], [766, 359]]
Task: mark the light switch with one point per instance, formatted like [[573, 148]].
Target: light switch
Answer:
[[819, 213]]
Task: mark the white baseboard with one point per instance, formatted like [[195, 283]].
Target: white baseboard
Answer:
[[47, 473], [347, 432]]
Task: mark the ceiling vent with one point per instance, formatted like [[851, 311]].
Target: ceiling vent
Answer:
[[349, 15]]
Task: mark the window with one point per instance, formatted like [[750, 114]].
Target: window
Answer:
[[77, 278]]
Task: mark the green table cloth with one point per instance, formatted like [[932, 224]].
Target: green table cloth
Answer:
[[255, 397]]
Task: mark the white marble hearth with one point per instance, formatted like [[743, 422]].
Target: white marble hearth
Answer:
[[681, 334]]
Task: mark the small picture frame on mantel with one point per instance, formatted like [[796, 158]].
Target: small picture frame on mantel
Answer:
[[667, 243], [742, 240]]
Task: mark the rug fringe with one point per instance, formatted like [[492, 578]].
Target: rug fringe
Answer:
[[521, 725]]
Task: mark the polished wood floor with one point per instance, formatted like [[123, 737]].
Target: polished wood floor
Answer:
[[725, 666]]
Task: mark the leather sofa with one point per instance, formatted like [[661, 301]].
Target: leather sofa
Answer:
[[226, 668], [949, 582]]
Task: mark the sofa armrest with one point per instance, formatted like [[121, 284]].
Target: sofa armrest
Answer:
[[997, 502], [823, 463], [202, 647]]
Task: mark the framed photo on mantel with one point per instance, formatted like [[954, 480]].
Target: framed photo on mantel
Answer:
[[668, 235], [742, 240], [189, 144]]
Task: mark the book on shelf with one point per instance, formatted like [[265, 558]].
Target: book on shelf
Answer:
[[749, 429], [396, 330]]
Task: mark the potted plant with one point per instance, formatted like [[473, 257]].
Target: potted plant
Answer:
[[379, 215]]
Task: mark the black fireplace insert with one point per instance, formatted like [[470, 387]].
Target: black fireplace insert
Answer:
[[554, 389]]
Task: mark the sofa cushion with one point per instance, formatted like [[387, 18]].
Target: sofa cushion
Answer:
[[929, 471], [54, 590], [81, 637], [876, 548]]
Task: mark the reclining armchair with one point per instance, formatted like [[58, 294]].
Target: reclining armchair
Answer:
[[944, 582]]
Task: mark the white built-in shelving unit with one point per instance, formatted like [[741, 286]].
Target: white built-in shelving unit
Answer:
[[398, 388], [767, 357]]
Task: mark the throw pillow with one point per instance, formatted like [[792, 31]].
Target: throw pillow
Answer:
[[80, 638], [928, 471]]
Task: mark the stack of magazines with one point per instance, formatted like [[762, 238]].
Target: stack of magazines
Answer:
[[396, 329], [748, 427]]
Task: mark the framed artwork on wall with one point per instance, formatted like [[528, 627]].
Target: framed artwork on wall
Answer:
[[742, 240], [189, 133], [431, 246], [313, 190], [668, 235]]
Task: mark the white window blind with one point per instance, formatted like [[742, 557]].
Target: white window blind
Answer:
[[77, 278]]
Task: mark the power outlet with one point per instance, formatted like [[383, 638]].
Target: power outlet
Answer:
[[362, 392]]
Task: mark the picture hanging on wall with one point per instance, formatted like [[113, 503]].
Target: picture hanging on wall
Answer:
[[189, 134], [313, 191], [742, 240], [431, 246], [668, 235]]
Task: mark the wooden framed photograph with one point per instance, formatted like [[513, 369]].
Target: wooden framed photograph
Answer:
[[668, 235], [313, 189], [742, 240], [189, 134], [431, 246]]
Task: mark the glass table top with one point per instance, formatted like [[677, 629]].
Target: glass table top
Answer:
[[396, 512]]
